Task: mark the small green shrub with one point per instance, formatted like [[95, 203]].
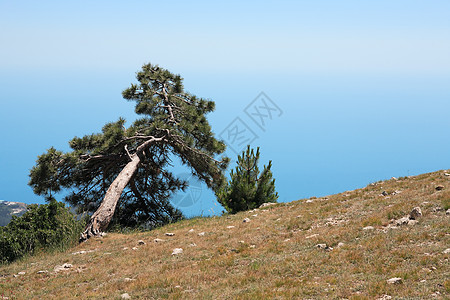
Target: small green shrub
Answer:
[[248, 189], [42, 227]]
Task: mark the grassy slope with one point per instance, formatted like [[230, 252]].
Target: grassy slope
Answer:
[[272, 256]]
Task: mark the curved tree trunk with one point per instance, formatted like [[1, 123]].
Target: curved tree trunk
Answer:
[[100, 219]]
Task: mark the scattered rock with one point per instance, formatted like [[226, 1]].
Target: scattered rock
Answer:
[[385, 297], [312, 236], [193, 245], [158, 240], [141, 242], [395, 280], [169, 234], [125, 296], [177, 251], [439, 188], [340, 244], [267, 204], [246, 220], [63, 267], [128, 279], [42, 272], [201, 234], [252, 246], [125, 248], [134, 248], [446, 251], [82, 252], [229, 227], [412, 222], [324, 247], [191, 230], [415, 213], [368, 228], [309, 201], [402, 221], [21, 273], [255, 215]]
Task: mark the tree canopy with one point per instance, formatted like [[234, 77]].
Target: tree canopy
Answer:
[[128, 168]]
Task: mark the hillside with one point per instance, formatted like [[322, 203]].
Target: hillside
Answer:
[[9, 209], [344, 246]]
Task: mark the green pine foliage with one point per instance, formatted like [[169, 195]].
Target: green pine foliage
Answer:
[[248, 188], [166, 112], [43, 227]]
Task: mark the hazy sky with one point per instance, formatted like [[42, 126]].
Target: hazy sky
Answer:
[[361, 88]]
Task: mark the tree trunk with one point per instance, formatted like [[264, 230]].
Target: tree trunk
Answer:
[[100, 219]]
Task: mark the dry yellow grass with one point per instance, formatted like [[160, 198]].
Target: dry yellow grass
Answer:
[[272, 256]]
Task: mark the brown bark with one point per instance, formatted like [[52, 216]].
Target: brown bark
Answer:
[[100, 219]]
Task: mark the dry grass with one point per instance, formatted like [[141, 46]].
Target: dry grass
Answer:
[[273, 256]]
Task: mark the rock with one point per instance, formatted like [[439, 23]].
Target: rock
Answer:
[[402, 221], [128, 279], [368, 228], [191, 230], [63, 267], [177, 251], [229, 227], [340, 244], [384, 193], [394, 178], [42, 272], [447, 212], [21, 273], [312, 236], [309, 201], [447, 174], [255, 215], [125, 248], [125, 296], [385, 297], [446, 251], [412, 222], [395, 280], [141, 242], [201, 234], [324, 247], [169, 234], [415, 213], [267, 204], [246, 220], [158, 240], [134, 248], [193, 245], [252, 246], [439, 188]]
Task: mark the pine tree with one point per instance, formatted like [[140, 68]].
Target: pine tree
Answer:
[[248, 189], [127, 168]]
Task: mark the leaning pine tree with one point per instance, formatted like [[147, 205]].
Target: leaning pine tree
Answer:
[[126, 169], [247, 189]]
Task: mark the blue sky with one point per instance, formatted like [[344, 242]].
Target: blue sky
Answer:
[[363, 86]]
